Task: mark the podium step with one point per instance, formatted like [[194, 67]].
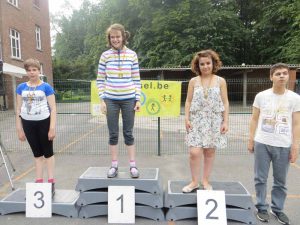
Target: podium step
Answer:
[[64, 203], [236, 195], [240, 215], [89, 211], [96, 178], [92, 197]]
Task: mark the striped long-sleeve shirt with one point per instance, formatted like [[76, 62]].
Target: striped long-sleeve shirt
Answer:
[[119, 75]]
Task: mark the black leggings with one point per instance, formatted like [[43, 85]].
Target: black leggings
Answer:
[[36, 133]]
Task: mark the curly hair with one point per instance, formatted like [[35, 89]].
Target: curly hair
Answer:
[[119, 27], [32, 62], [217, 63]]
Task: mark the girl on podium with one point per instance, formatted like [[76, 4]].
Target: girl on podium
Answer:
[[206, 117], [36, 119], [119, 86]]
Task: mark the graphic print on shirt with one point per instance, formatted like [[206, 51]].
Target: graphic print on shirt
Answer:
[[275, 117], [32, 101]]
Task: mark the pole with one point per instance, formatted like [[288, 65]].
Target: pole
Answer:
[[158, 130]]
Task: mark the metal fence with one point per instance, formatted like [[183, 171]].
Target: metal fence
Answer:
[[78, 132]]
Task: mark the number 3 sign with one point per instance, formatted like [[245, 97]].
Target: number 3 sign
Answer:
[[211, 208], [38, 200], [121, 204]]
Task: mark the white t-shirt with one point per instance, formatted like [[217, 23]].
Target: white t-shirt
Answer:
[[34, 101], [275, 118]]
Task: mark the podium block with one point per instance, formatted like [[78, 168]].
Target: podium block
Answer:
[[187, 212], [64, 203], [239, 204], [93, 186], [100, 196], [149, 212], [236, 194], [96, 178]]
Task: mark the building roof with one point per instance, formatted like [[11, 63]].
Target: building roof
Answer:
[[13, 70], [240, 67]]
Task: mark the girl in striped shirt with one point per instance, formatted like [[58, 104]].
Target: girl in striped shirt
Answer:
[[119, 86]]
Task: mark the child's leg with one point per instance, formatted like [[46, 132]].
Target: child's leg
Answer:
[[209, 158], [131, 152], [50, 162], [114, 152], [39, 166], [195, 159]]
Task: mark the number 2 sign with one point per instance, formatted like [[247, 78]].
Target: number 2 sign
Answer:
[[211, 208], [121, 204], [38, 200]]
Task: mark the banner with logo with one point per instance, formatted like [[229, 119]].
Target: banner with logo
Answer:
[[158, 98]]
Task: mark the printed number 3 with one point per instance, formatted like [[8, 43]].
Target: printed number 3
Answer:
[[121, 198], [40, 199], [208, 216]]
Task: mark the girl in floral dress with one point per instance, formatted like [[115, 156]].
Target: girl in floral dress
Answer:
[[206, 116]]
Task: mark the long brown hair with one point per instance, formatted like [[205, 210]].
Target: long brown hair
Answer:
[[119, 27]]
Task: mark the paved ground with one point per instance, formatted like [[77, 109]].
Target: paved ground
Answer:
[[70, 167], [81, 144]]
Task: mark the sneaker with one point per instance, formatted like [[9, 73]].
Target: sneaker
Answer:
[[263, 215], [134, 172], [281, 217], [112, 172]]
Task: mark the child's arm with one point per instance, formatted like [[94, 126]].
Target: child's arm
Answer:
[[296, 137], [20, 131], [253, 126], [224, 96], [52, 105], [188, 101]]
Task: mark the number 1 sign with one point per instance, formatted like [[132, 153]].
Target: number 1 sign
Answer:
[[121, 204], [211, 207]]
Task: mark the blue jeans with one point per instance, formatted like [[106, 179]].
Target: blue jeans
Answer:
[[279, 156], [113, 110]]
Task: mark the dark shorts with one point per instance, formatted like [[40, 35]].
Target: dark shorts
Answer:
[[36, 133]]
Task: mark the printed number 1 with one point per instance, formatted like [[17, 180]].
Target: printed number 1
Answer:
[[40, 198], [121, 198], [208, 216]]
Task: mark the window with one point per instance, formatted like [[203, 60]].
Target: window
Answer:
[[15, 44], [36, 3], [42, 68], [14, 2], [38, 42]]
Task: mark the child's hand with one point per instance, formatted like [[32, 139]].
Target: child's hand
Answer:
[[251, 146], [188, 125], [137, 107], [51, 134], [224, 128], [21, 135], [294, 154], [103, 108]]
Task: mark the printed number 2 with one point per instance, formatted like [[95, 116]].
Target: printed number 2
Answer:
[[208, 216], [40, 198], [121, 198]]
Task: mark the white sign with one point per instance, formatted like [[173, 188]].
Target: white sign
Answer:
[[121, 204], [38, 200], [211, 207]]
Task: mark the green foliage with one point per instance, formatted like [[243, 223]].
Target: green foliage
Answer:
[[167, 33]]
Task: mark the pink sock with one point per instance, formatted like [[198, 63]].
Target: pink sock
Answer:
[[40, 180], [132, 163], [114, 163], [51, 180]]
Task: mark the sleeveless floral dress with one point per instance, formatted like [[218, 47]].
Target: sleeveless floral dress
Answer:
[[206, 116]]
